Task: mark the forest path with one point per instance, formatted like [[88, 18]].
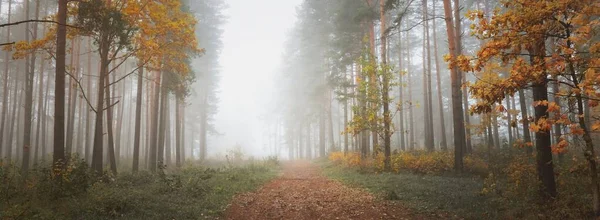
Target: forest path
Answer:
[[303, 193]]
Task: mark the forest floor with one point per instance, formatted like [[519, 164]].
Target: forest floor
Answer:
[[302, 192]]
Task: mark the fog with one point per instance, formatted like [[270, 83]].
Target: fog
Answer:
[[253, 44]]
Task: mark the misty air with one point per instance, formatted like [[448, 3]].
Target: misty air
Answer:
[[299, 109]]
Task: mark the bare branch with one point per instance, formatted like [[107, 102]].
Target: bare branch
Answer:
[[34, 20]]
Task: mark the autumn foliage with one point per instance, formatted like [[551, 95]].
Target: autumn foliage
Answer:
[[422, 162]]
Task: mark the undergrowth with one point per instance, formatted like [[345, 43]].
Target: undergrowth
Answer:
[[496, 184], [190, 193]]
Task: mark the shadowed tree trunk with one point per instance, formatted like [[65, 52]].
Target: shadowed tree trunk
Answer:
[[465, 98], [30, 69], [162, 121], [5, 82], [387, 120], [59, 86], [152, 158], [457, 113], [138, 119], [97, 158], [109, 127], [545, 166]]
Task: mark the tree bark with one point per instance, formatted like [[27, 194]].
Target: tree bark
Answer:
[[525, 120], [59, 87], [72, 103], [5, 84], [509, 120], [465, 95], [97, 158], [138, 118], [178, 129], [411, 124], [167, 122], [152, 159], [430, 136], [545, 165], [387, 120], [109, 127], [443, 143], [457, 113]]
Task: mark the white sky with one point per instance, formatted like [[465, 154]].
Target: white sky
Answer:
[[253, 43]]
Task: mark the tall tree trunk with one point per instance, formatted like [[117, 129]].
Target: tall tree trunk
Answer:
[[5, 82], [161, 124], [78, 73], [430, 140], [109, 126], [72, 103], [589, 153], [373, 83], [457, 113], [495, 133], [15, 104], [120, 119], [97, 158], [178, 103], [41, 111], [40, 96], [167, 122], [59, 86], [362, 99], [44, 122], [152, 158], [411, 124], [509, 120], [557, 128], [345, 114], [16, 116], [516, 128], [30, 69], [444, 145], [458, 37], [525, 120], [542, 138], [204, 126], [149, 120], [138, 118], [330, 120], [401, 101], [387, 120], [183, 132], [89, 118]]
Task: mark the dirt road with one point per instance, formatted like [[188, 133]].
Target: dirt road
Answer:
[[303, 193]]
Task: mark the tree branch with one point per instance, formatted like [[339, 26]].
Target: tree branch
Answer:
[[34, 20]]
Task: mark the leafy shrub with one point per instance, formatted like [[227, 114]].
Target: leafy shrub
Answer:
[[421, 162]]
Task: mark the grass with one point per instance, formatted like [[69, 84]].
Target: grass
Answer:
[[191, 193], [459, 195]]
